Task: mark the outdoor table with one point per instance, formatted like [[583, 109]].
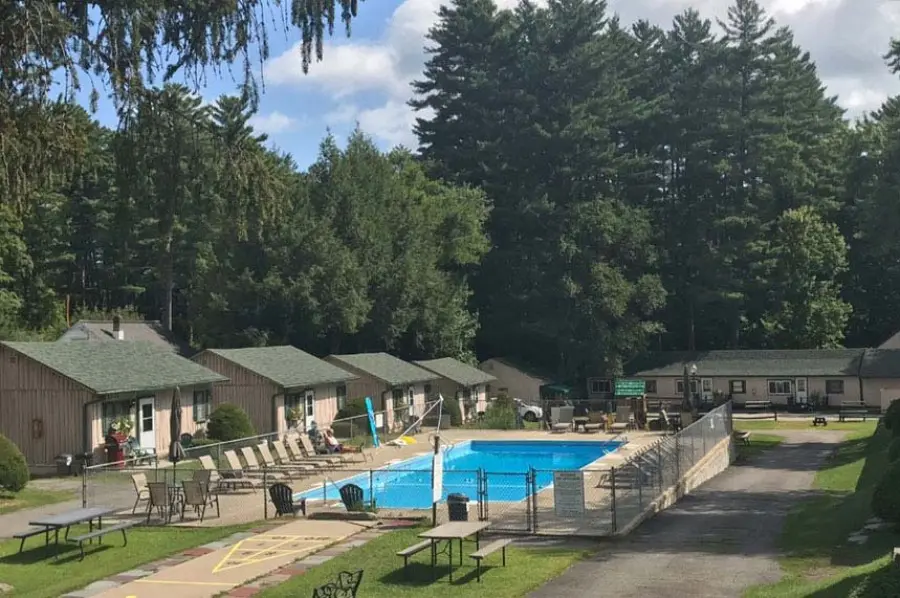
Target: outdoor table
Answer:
[[457, 530], [70, 518]]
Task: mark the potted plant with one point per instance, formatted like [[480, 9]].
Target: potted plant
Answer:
[[124, 426], [294, 415]]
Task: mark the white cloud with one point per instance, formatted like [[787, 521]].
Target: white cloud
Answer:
[[274, 123], [845, 37]]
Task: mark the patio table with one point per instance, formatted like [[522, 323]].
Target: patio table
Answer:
[[456, 530], [70, 518]]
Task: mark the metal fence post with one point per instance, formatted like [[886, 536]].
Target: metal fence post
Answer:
[[264, 492], [372, 489], [660, 464], [639, 478], [612, 501], [84, 486], [532, 491]]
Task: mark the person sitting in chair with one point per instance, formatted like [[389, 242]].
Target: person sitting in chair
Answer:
[[331, 443]]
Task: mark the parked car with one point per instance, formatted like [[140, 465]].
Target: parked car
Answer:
[[530, 413]]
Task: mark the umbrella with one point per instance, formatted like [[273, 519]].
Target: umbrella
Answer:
[[176, 451]]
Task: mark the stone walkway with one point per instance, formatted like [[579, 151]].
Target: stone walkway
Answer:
[[715, 542], [242, 564]]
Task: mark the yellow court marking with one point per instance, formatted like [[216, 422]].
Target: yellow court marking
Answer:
[[268, 547], [184, 583]]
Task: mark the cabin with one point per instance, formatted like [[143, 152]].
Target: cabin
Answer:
[[458, 381]]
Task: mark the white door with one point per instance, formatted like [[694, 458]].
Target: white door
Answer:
[[146, 432], [309, 404], [800, 388], [706, 387]]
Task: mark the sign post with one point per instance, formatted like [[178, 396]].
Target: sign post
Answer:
[[630, 388], [437, 479], [372, 426]]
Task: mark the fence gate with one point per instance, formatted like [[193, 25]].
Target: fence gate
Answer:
[[506, 500]]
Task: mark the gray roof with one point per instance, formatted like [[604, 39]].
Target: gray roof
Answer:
[[891, 343], [456, 371], [388, 368], [123, 366], [752, 363], [880, 363], [286, 366], [102, 330]]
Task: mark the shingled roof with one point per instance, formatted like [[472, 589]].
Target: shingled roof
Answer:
[[390, 369], [456, 371], [751, 363], [123, 366], [151, 331], [286, 366]]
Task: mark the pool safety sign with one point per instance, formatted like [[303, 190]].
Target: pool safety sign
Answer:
[[437, 483], [568, 493]]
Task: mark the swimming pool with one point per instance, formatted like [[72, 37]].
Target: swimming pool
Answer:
[[407, 484]]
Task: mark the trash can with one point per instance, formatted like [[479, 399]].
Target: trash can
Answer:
[[64, 464], [115, 448], [82, 460], [458, 507]]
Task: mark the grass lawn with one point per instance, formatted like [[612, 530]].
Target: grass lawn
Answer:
[[818, 561], [758, 444], [35, 574], [32, 497], [805, 424], [526, 569]]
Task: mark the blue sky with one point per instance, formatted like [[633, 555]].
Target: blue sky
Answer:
[[366, 78]]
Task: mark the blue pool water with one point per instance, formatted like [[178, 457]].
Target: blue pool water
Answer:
[[407, 485]]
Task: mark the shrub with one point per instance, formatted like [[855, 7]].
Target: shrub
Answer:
[[880, 584], [886, 498], [500, 415], [13, 467], [891, 418], [894, 450], [229, 422], [353, 408], [451, 407]]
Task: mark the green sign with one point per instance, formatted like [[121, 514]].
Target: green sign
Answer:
[[629, 388]]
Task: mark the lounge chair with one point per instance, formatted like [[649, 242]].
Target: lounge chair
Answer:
[[248, 477], [282, 497], [295, 467], [271, 473], [223, 479], [285, 459], [299, 452], [561, 419]]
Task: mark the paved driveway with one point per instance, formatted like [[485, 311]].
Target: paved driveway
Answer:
[[715, 542]]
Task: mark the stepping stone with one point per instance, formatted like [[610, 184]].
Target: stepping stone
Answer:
[[5, 588]]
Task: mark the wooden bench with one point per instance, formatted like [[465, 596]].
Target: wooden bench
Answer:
[[742, 437], [820, 420], [99, 533], [487, 550], [30, 533], [411, 550]]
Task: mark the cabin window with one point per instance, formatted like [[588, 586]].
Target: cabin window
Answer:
[[650, 387], [779, 387], [737, 387], [293, 404], [115, 410], [202, 401], [601, 386], [679, 386], [834, 387]]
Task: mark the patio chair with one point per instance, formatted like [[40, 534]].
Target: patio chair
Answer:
[[198, 497], [347, 455], [251, 478], [222, 479], [352, 497], [270, 462], [561, 419], [140, 487], [282, 497], [161, 500], [346, 585]]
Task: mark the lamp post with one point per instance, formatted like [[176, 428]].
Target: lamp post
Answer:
[[695, 384]]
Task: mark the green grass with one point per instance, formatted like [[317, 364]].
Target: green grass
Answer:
[[817, 560], [758, 443], [866, 427], [35, 573], [526, 569], [32, 497]]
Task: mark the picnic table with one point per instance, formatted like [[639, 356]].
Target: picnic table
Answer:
[[66, 520], [457, 530]]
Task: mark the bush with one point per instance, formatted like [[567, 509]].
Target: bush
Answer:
[[13, 467], [891, 418], [451, 407], [500, 415], [353, 408], [894, 450], [880, 584], [886, 499], [229, 422]]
